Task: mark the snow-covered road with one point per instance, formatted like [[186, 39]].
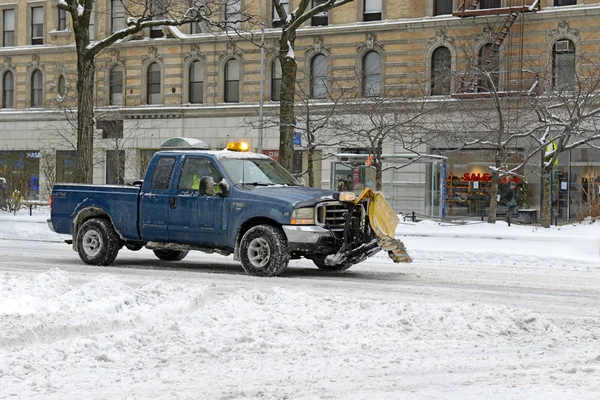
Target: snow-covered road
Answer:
[[470, 318]]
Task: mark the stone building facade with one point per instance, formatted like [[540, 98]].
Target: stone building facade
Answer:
[[183, 82]]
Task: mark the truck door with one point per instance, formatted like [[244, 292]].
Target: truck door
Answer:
[[154, 201], [195, 218]]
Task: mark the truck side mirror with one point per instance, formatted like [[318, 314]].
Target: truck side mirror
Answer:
[[208, 187]]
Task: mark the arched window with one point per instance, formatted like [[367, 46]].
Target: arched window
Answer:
[[196, 82], [563, 65], [276, 80], [8, 90], [442, 7], [371, 74], [489, 68], [37, 88], [319, 68], [440, 71], [153, 84], [232, 81], [116, 85], [61, 87]]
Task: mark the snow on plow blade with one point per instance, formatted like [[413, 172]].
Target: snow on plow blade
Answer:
[[383, 220]]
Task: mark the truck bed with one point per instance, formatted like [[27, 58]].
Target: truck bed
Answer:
[[118, 201]]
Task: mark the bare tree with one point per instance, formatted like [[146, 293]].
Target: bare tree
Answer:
[[568, 116], [376, 122], [494, 120], [291, 21], [142, 14]]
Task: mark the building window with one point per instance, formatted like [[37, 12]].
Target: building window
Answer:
[[321, 18], [489, 70], [117, 15], [37, 88], [233, 14], [372, 10], [276, 80], [116, 85], [563, 65], [37, 25], [560, 3], [8, 19], [440, 71], [115, 167], [66, 166], [62, 20], [196, 82], [8, 90], [153, 84], [92, 29], [232, 81], [442, 7], [490, 4], [158, 13], [111, 128], [61, 87], [319, 68], [286, 6], [371, 74], [195, 28]]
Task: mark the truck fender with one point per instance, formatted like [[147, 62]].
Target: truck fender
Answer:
[[88, 213], [245, 226]]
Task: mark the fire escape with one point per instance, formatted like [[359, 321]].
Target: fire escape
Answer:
[[470, 83]]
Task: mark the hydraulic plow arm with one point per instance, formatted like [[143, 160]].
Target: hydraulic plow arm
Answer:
[[383, 221]]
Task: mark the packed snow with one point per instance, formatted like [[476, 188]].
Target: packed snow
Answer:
[[462, 321]]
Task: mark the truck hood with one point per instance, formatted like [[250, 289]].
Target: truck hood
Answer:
[[299, 196]]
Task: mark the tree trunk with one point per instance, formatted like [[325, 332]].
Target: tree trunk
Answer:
[[494, 198], [311, 167], [286, 104], [85, 119], [546, 206]]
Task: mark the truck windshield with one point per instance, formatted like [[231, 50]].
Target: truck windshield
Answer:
[[257, 171]]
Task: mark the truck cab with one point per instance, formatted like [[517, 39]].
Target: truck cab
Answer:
[[229, 202]]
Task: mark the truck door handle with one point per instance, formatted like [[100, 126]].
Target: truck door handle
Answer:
[[173, 202]]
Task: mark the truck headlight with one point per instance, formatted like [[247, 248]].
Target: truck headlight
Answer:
[[345, 196], [303, 216]]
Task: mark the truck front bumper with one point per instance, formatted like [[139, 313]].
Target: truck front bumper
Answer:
[[307, 237]]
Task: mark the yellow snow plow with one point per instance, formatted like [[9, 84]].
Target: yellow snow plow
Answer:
[[369, 228], [383, 221]]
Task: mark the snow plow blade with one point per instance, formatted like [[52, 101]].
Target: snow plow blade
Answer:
[[383, 221]]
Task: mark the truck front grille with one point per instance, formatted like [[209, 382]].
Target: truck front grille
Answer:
[[332, 215]]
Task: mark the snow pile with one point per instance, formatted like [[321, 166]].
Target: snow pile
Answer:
[[165, 340], [45, 308]]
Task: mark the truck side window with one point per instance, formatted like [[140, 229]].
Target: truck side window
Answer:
[[193, 170], [162, 173]]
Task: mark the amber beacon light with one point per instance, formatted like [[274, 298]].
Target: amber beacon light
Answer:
[[238, 146]]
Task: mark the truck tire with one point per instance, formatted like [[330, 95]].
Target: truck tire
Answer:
[[170, 255], [264, 251], [320, 263], [98, 242]]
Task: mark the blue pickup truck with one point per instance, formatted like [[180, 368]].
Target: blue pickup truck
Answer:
[[228, 201]]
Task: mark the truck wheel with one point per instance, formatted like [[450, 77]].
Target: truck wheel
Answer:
[[97, 242], [320, 263], [170, 255], [264, 251]]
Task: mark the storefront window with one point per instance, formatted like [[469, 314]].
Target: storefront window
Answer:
[[469, 181], [20, 171]]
